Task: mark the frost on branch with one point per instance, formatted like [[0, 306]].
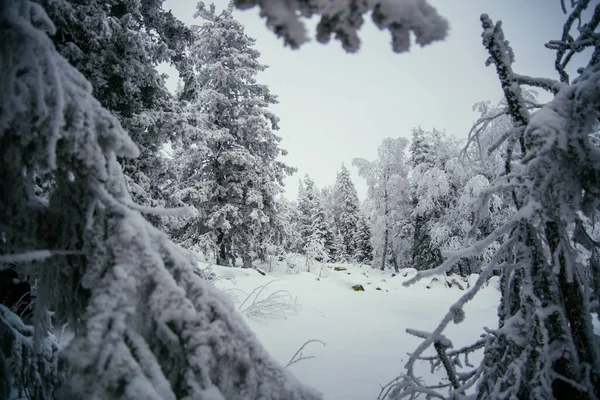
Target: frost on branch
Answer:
[[147, 327], [344, 18]]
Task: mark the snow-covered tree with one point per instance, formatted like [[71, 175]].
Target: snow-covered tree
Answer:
[[328, 203], [339, 249], [321, 229], [146, 325], [345, 209], [315, 250], [362, 237], [388, 196], [433, 192], [544, 346], [445, 185], [306, 206], [313, 221], [291, 237], [235, 179]]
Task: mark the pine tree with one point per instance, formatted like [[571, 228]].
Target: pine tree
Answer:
[[233, 182], [345, 210], [328, 202]]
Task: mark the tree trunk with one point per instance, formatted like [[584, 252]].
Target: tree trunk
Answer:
[[223, 251], [386, 232], [246, 260], [580, 322]]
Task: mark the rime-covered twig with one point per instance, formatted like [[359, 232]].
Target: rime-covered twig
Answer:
[[463, 350], [573, 45], [455, 312], [277, 305], [20, 303], [297, 357], [404, 387], [62, 332]]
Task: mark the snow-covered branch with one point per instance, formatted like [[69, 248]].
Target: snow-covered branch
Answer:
[[402, 18], [550, 85], [34, 255]]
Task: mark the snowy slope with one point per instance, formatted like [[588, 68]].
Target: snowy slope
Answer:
[[364, 332]]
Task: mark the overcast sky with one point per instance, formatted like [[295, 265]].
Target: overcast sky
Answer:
[[336, 106]]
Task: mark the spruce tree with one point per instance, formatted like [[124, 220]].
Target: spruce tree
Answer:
[[237, 175], [320, 228], [345, 210]]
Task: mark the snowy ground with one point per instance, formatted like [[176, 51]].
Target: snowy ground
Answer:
[[364, 332]]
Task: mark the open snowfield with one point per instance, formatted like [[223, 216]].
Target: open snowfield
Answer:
[[364, 332]]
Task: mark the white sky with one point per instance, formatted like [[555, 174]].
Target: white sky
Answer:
[[336, 106]]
